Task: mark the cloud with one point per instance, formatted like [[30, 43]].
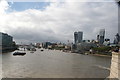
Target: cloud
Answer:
[[3, 6], [59, 21]]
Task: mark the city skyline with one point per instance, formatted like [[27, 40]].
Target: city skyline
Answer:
[[45, 21]]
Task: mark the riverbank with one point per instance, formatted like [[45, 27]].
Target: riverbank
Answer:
[[87, 53], [7, 51], [101, 55]]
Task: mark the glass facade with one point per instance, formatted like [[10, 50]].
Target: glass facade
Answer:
[[101, 36], [6, 41], [78, 37]]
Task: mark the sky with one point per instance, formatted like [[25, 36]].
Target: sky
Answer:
[[57, 21]]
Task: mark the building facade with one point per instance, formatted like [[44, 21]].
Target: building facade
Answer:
[[85, 46], [107, 42], [78, 37], [117, 39], [75, 37], [6, 41], [46, 44], [101, 36]]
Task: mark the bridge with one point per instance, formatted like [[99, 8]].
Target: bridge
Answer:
[[115, 66]]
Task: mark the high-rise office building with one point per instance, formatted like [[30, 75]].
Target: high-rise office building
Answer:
[[117, 39], [101, 36], [78, 37], [75, 37], [97, 38]]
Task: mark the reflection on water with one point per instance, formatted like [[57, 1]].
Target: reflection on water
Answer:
[[54, 64]]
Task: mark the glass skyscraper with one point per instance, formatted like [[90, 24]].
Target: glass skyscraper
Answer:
[[101, 36], [78, 37]]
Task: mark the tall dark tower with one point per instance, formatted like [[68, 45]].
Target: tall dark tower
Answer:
[[78, 37], [117, 39], [75, 37], [118, 2], [97, 37], [101, 36], [119, 18]]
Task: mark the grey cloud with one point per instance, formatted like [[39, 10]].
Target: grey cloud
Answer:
[[58, 23]]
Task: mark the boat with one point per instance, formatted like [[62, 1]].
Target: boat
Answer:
[[86, 53], [19, 53], [42, 50]]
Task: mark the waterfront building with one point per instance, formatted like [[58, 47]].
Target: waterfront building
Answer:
[[49, 46], [101, 36], [94, 41], [107, 42], [60, 45], [6, 41], [46, 44], [85, 46], [73, 47], [38, 45], [78, 37]]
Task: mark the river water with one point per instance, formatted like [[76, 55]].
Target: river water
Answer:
[[54, 64]]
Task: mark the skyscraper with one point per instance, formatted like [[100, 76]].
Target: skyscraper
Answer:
[[75, 37], [117, 39], [78, 37], [97, 38], [101, 36]]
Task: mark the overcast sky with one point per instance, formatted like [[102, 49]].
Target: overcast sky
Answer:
[[57, 21]]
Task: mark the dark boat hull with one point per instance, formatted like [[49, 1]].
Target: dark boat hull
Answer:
[[19, 53]]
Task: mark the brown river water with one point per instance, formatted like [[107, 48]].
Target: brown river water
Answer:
[[54, 64]]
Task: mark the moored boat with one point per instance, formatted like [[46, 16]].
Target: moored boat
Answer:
[[42, 50], [19, 53]]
